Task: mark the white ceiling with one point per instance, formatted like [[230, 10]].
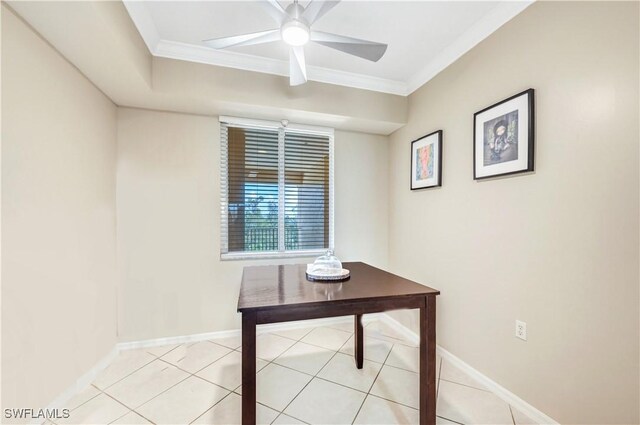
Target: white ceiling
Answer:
[[423, 37]]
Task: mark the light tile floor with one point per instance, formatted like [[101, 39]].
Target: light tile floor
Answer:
[[304, 376]]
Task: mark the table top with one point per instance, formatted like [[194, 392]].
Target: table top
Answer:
[[266, 287]]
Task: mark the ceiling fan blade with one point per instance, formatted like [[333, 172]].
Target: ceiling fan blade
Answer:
[[316, 9], [369, 50], [275, 10], [244, 39], [297, 66]]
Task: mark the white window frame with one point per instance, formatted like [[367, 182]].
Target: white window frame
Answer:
[[224, 188]]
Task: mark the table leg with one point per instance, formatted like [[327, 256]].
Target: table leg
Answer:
[[428, 362], [248, 368], [359, 341]]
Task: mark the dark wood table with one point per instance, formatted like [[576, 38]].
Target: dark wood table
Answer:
[[271, 294]]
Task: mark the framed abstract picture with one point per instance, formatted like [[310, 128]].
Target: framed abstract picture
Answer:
[[426, 161], [503, 137]]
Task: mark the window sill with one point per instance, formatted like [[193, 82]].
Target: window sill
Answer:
[[236, 256]]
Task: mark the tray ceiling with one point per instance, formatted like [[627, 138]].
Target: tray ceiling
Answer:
[[423, 37]]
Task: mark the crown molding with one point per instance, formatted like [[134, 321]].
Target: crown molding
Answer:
[[483, 28], [229, 59], [200, 54], [489, 23]]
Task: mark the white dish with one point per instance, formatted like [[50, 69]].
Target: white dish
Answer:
[[327, 274]]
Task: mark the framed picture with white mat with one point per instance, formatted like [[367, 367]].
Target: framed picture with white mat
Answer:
[[426, 161], [503, 137]]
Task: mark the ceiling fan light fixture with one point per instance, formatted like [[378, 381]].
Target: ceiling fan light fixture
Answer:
[[295, 33], [294, 29]]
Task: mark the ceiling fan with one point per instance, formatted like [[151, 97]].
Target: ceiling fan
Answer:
[[295, 29]]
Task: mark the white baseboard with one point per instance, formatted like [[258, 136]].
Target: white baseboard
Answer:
[[503, 393], [184, 339], [407, 333], [181, 339], [81, 383]]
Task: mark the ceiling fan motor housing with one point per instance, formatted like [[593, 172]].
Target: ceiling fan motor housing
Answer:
[[295, 29], [295, 11]]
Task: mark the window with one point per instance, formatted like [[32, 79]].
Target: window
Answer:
[[276, 189]]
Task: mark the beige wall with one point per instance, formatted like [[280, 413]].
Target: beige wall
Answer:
[[171, 279], [58, 219], [558, 248]]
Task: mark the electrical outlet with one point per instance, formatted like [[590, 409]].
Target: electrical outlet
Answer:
[[521, 330]]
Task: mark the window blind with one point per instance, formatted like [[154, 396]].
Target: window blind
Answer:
[[306, 190], [276, 190]]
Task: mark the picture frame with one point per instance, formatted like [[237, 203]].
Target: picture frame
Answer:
[[426, 161], [504, 137]]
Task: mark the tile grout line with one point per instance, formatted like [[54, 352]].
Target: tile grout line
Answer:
[[332, 382], [167, 389], [87, 401], [119, 402], [319, 346], [303, 336], [214, 405], [393, 401], [280, 413], [131, 373], [438, 391], [101, 391], [468, 386], [209, 364], [238, 349], [223, 398], [313, 377], [296, 370], [375, 379], [268, 362], [402, 404], [122, 416], [351, 333], [323, 366], [189, 375], [437, 388], [142, 416], [450, 420], [193, 374], [137, 413]]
